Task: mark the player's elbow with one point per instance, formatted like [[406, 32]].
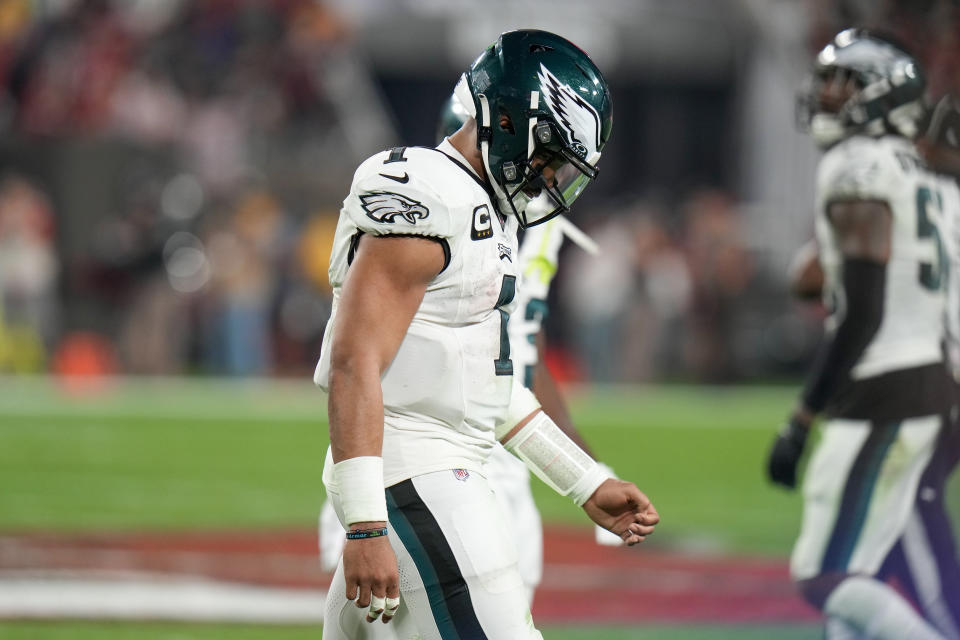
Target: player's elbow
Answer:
[[349, 365]]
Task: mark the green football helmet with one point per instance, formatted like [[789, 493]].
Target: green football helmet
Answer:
[[543, 116], [888, 90], [452, 117]]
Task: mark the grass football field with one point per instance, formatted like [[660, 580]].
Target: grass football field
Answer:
[[194, 454], [154, 631], [187, 454]]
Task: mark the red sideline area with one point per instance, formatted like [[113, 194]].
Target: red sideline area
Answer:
[[582, 582]]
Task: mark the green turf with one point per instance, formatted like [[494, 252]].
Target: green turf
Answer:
[[698, 454], [104, 472], [205, 454], [156, 631]]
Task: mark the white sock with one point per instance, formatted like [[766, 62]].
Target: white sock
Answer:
[[877, 611], [837, 629]]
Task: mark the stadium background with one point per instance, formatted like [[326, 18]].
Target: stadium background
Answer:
[[170, 173]]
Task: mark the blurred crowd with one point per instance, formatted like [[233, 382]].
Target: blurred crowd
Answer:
[[198, 264], [683, 298], [207, 145]]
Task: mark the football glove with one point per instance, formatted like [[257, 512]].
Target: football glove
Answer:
[[785, 454]]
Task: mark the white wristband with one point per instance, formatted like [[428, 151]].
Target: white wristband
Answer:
[[588, 483], [360, 483], [556, 459]]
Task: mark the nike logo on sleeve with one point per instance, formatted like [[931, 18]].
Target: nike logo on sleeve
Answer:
[[404, 179]]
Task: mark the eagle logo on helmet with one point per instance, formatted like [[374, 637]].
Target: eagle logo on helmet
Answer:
[[577, 117], [384, 206]]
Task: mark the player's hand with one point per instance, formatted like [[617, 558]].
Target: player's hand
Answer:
[[371, 573], [621, 507], [605, 537], [786, 451]]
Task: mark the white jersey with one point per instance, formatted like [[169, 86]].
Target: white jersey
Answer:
[[449, 384], [539, 254], [888, 169]]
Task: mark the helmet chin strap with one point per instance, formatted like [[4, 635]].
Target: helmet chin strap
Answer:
[[532, 122], [504, 201]]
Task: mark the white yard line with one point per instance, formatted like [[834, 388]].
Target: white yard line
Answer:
[[50, 595]]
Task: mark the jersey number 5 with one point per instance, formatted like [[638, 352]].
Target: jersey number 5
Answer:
[[503, 366], [932, 276]]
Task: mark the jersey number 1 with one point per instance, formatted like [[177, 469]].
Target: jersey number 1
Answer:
[[503, 366]]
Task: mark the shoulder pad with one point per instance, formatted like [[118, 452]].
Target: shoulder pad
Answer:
[[861, 168], [396, 197]]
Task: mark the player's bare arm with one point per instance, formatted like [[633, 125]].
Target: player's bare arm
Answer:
[[388, 273], [547, 392], [862, 229]]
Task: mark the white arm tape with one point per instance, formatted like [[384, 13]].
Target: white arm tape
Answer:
[[522, 404], [556, 459], [360, 483]]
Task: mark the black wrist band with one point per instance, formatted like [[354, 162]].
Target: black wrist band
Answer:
[[360, 534]]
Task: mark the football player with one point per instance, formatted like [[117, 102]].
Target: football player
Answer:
[[416, 359], [924, 561], [508, 475], [879, 376], [538, 262]]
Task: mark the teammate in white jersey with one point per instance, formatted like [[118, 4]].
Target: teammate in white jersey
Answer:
[[924, 561], [879, 376], [416, 358]]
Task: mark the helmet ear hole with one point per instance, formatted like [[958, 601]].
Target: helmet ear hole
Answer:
[[506, 122]]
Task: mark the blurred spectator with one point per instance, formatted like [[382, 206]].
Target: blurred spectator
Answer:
[[597, 293], [721, 270], [29, 318], [303, 302], [661, 304], [243, 253]]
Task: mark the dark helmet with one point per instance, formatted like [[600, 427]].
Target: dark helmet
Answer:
[[540, 103], [888, 89], [452, 117]]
